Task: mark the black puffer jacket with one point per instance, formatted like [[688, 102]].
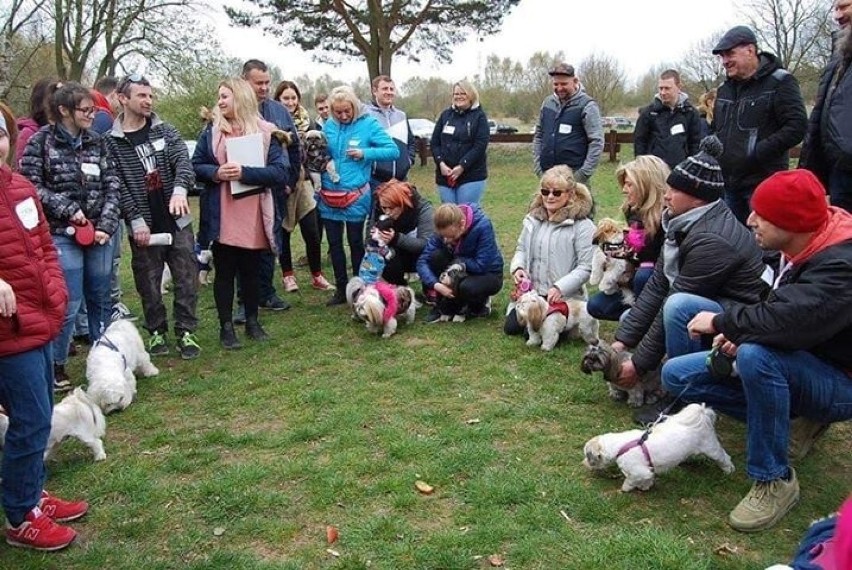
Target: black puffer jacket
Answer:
[[758, 121], [69, 180], [669, 133], [717, 259]]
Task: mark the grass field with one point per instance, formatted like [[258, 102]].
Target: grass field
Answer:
[[241, 460]]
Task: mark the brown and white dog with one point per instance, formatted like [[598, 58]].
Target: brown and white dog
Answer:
[[600, 357], [379, 306], [610, 272], [318, 159], [546, 322]]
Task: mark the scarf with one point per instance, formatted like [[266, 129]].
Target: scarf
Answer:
[[674, 226]]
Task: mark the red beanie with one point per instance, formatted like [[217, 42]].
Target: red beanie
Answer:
[[793, 200]]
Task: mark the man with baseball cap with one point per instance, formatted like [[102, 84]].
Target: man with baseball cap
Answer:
[[792, 349], [759, 115], [569, 129]]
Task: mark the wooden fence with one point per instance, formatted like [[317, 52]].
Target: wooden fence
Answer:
[[612, 144]]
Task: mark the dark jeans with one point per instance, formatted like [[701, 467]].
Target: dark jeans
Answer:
[[230, 262], [511, 326], [397, 266], [26, 393], [309, 228], [147, 265], [266, 263], [473, 290], [840, 188], [739, 201], [355, 237], [610, 307]]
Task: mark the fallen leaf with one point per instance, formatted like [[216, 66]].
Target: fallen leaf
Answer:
[[218, 531], [495, 560], [472, 421], [334, 553], [424, 487], [725, 549], [331, 534]]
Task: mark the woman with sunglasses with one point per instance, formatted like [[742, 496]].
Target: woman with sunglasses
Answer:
[[79, 190], [554, 251]]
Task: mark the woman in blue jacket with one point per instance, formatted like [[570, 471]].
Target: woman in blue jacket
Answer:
[[459, 142], [355, 141]]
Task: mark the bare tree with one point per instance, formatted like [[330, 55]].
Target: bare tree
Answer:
[[700, 70], [604, 79], [20, 39]]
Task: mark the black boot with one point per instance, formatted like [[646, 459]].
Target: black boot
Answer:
[[339, 297], [228, 336], [253, 329]]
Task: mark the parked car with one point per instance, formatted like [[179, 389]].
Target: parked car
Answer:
[[617, 123], [421, 128], [496, 128]]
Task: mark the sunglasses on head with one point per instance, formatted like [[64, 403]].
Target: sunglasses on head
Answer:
[[132, 78], [556, 193]]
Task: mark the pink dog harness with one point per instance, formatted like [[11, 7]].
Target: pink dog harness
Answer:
[[640, 443], [388, 294]]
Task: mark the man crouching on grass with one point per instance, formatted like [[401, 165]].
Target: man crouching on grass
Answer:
[[793, 350]]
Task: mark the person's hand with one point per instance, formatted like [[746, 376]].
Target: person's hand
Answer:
[[142, 236], [618, 346], [554, 295], [725, 346], [702, 323], [456, 171], [519, 275], [79, 218], [445, 170], [627, 376], [8, 302], [355, 153], [178, 206], [387, 235], [444, 291], [229, 171], [101, 238]]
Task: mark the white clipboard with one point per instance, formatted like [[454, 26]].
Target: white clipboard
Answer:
[[245, 151]]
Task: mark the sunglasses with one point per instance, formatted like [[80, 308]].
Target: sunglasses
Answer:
[[556, 193], [132, 78]]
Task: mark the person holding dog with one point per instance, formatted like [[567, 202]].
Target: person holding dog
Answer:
[[30, 318], [301, 204], [791, 348], [554, 251], [643, 183], [707, 254], [355, 141], [464, 237]]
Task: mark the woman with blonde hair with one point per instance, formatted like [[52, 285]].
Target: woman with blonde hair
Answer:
[[239, 226], [554, 251], [459, 142], [643, 183], [705, 110]]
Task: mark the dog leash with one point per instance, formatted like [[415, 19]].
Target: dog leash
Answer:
[[105, 341]]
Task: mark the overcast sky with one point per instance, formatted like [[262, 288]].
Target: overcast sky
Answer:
[[638, 33]]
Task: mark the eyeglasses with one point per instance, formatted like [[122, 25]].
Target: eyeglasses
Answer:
[[86, 110], [556, 193]]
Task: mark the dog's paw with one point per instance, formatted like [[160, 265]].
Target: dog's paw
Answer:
[[100, 456], [335, 178], [458, 318]]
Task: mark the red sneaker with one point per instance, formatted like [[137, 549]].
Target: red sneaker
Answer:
[[39, 532], [62, 511]]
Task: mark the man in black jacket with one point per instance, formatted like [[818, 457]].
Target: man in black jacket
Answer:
[[827, 151], [791, 349], [759, 116], [670, 127], [708, 259]]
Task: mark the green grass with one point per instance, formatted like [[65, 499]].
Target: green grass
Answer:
[[328, 425]]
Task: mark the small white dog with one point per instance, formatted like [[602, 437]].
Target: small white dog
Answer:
[[78, 416], [611, 274], [545, 322], [668, 443], [111, 364], [379, 306]]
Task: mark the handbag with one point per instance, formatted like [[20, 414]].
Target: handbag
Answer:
[[340, 199]]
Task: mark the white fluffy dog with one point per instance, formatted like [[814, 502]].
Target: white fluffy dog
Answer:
[[545, 323], [78, 416], [611, 274], [379, 306], [111, 364], [668, 443]]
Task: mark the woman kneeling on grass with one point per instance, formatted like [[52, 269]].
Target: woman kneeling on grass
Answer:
[[463, 236], [554, 251], [643, 183]]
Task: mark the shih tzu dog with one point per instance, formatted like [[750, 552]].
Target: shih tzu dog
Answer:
[[611, 272], [600, 357], [545, 322], [78, 416], [318, 159], [381, 304], [451, 277], [204, 259], [111, 364], [642, 454]]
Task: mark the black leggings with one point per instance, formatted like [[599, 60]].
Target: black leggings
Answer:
[[230, 261], [309, 227]]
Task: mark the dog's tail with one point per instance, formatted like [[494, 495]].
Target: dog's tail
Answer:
[[695, 415]]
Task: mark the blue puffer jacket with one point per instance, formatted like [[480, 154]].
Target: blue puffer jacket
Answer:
[[364, 133], [477, 248]]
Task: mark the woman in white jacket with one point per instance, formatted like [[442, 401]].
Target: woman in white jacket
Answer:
[[554, 251]]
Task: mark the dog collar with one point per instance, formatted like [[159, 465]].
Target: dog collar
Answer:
[[640, 443]]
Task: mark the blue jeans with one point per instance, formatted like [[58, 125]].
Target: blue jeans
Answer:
[[772, 385], [87, 272], [26, 393], [612, 307], [467, 193], [677, 312]]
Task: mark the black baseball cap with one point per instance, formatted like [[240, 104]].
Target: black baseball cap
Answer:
[[737, 36]]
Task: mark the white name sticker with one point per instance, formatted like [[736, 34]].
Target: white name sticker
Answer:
[[90, 169], [677, 129], [27, 213], [158, 144], [565, 129], [449, 129]]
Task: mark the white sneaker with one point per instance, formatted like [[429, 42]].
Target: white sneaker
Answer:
[[290, 284]]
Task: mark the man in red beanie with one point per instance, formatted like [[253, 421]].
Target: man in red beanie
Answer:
[[792, 350]]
